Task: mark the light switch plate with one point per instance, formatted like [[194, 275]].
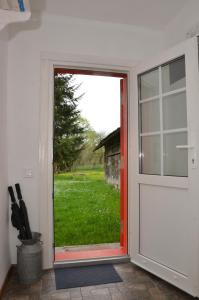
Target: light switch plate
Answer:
[[28, 173]]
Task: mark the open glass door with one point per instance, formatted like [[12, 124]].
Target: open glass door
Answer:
[[165, 181]]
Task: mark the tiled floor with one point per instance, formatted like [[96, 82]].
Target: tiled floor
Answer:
[[137, 285]]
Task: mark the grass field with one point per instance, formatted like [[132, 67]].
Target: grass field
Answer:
[[86, 209]]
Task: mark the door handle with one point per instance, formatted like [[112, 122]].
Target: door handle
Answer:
[[184, 147]]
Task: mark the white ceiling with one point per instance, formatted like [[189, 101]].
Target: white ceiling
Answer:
[[154, 14]]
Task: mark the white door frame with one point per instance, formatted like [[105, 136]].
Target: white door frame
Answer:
[[190, 283], [48, 62]]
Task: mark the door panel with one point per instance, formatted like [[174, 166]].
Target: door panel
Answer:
[[163, 161], [162, 224]]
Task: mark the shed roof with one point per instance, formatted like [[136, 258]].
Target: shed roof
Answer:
[[109, 139]]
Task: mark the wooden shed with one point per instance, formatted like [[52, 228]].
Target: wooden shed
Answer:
[[111, 144]]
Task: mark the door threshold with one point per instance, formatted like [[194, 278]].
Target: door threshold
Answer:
[[94, 261], [79, 253]]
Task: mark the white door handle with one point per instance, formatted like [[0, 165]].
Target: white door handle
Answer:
[[184, 147]]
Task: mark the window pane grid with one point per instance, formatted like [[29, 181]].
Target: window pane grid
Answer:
[[175, 130], [174, 85], [149, 133], [164, 131], [178, 91], [149, 99]]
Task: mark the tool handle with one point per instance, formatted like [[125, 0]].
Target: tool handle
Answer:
[[11, 192], [18, 190]]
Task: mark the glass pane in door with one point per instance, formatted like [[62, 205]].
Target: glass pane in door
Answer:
[[175, 111], [173, 75], [150, 155], [150, 116], [175, 160], [149, 85]]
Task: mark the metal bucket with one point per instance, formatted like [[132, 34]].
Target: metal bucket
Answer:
[[35, 238], [29, 260]]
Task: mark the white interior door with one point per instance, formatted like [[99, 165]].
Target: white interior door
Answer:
[[164, 176]]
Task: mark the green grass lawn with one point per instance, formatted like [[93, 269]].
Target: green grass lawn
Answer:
[[86, 209]]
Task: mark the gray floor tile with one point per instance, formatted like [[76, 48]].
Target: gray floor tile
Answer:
[[137, 285]]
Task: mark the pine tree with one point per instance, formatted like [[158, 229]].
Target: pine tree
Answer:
[[68, 129]]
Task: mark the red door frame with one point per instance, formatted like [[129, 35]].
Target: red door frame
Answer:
[[123, 165]]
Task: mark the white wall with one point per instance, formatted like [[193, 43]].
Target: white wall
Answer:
[[27, 42], [4, 203], [185, 24]]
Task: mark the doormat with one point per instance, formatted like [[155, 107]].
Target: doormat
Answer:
[[84, 276]]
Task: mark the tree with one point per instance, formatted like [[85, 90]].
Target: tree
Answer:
[[88, 157], [68, 129]]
